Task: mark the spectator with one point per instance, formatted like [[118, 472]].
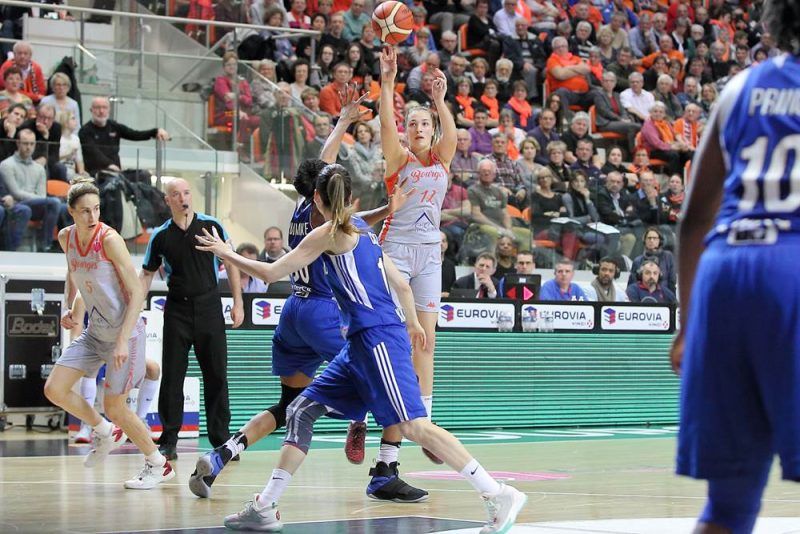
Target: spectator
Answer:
[[300, 75], [14, 218], [580, 43], [431, 62], [456, 210], [448, 46], [232, 95], [64, 105], [8, 133], [480, 138], [70, 154], [690, 93], [463, 103], [708, 98], [12, 94], [448, 266], [363, 158], [688, 128], [617, 30], [481, 279], [648, 287], [448, 15], [100, 138], [322, 129], [561, 287], [455, 70], [505, 251], [274, 248], [279, 48], [659, 67], [547, 205], [611, 115], [505, 18], [603, 288], [680, 36], [556, 150], [503, 72], [580, 208], [488, 202], [605, 42], [578, 129], [614, 164], [514, 136], [491, 101], [636, 101], [33, 83], [261, 88], [527, 161], [509, 173], [481, 31], [329, 100], [646, 199], [642, 38], [464, 167], [336, 37], [322, 73], [666, 49], [521, 110], [641, 161], [616, 208], [584, 162], [622, 68], [48, 141], [660, 25], [545, 134], [654, 243], [563, 115], [283, 134], [370, 49], [567, 75], [659, 139], [423, 95], [248, 283], [664, 94], [257, 10], [296, 17], [742, 56], [26, 182], [524, 264], [526, 52], [672, 201], [354, 20]]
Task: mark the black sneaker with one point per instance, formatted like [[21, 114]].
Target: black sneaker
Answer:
[[387, 486], [170, 452]]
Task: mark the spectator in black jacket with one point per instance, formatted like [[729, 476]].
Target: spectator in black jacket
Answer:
[[9, 126], [616, 208], [100, 138], [48, 141]]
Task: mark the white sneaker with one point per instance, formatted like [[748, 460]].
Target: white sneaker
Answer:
[[84, 434], [104, 445], [151, 476], [267, 519], [503, 509]]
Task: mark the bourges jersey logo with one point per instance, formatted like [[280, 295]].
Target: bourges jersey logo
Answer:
[[264, 309], [30, 325], [448, 312], [610, 315]]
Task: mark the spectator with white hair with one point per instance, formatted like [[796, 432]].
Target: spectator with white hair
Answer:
[[664, 94], [505, 18], [448, 45], [635, 99], [567, 75], [690, 93], [64, 105], [659, 139], [611, 115], [33, 83], [580, 43]]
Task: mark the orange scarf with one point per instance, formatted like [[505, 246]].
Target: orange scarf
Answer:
[[493, 106], [664, 131], [522, 108], [466, 104], [511, 147]]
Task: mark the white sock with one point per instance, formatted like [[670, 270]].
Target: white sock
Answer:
[[155, 459], [89, 389], [275, 487], [104, 428], [389, 452], [146, 392], [427, 401], [480, 479]]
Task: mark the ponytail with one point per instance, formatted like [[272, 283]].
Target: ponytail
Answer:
[[335, 186]]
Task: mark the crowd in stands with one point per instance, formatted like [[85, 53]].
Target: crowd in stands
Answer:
[[577, 118]]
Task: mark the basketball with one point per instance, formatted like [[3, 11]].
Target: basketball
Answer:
[[393, 22]]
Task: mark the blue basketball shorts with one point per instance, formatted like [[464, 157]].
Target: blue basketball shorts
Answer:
[[373, 372], [740, 383], [308, 334]]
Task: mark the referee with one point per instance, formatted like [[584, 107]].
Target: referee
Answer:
[[192, 316]]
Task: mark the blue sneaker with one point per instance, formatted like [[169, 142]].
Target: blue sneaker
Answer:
[[387, 486], [206, 469]]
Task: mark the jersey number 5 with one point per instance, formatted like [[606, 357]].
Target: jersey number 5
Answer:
[[773, 175]]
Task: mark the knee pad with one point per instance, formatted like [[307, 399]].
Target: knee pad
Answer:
[[288, 394], [734, 503], [301, 416]]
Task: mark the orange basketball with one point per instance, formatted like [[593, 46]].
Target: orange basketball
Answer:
[[393, 22]]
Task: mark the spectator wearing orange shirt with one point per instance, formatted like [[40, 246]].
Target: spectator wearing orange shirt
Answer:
[[33, 82], [666, 47], [688, 128], [567, 75], [329, 100]]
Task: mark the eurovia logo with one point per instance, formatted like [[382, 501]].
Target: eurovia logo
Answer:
[[610, 315], [158, 303], [264, 309], [532, 312], [448, 313]]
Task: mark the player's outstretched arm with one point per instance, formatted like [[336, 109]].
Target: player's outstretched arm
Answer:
[[406, 298], [445, 148], [393, 151], [350, 114]]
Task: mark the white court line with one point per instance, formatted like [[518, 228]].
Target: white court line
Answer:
[[466, 490]]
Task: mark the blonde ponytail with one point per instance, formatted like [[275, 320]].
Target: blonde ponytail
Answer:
[[341, 211]]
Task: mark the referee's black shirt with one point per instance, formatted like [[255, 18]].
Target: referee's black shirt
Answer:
[[190, 272]]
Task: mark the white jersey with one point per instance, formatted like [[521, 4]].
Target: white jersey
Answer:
[[418, 220], [97, 279]]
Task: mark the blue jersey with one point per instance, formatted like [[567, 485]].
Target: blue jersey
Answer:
[[759, 125], [310, 280], [359, 283]]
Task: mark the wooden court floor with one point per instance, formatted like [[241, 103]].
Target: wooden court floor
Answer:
[[614, 485]]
